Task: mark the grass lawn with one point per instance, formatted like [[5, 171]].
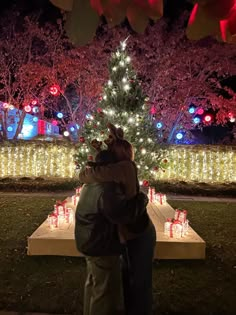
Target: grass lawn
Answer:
[[55, 284]]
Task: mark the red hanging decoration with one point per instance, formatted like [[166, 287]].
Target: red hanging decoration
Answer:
[[55, 90], [81, 139]]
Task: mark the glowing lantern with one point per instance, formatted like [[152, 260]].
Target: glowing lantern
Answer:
[[66, 133], [55, 90], [60, 115], [9, 128], [5, 105], [27, 108], [200, 111], [231, 117], [179, 136], [207, 118], [35, 109], [191, 110], [159, 125], [196, 120]]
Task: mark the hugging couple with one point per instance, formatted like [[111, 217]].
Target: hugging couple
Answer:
[[115, 233]]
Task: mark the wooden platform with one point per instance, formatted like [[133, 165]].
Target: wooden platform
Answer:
[[61, 242]]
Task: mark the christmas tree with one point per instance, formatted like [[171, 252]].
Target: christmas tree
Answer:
[[124, 105]]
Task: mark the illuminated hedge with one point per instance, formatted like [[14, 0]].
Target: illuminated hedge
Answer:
[[187, 163]]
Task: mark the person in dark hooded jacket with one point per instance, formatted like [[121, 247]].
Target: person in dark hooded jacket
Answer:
[[101, 207], [139, 235]]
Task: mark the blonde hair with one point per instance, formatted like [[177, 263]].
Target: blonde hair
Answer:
[[122, 150]]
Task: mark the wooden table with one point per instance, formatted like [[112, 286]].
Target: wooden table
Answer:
[[61, 242]]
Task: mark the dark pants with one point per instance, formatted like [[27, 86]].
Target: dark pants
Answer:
[[103, 292], [137, 273]]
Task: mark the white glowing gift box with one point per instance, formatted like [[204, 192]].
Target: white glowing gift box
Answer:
[[181, 215], [53, 220], [160, 198], [176, 228], [173, 228], [75, 199], [60, 207], [58, 220], [151, 194]]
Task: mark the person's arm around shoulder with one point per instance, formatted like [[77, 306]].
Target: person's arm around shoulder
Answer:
[[107, 173], [117, 209]]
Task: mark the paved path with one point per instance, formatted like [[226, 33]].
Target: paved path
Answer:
[[201, 198], [169, 196]]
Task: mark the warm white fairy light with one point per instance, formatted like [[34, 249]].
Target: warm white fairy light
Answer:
[[2, 161], [192, 168], [143, 151], [123, 45], [51, 161], [114, 69], [111, 112], [184, 169], [232, 119], [28, 161], [117, 54], [203, 164], [121, 63], [14, 165], [131, 120], [113, 92], [141, 140], [217, 165], [124, 80], [109, 83], [128, 59], [126, 87], [105, 97], [34, 162], [9, 159]]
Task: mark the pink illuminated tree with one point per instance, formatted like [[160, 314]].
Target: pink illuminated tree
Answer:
[[35, 59], [173, 71]]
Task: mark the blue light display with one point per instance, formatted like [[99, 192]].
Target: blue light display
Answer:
[[159, 125], [30, 127], [191, 110], [59, 115], [196, 120], [179, 135]]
